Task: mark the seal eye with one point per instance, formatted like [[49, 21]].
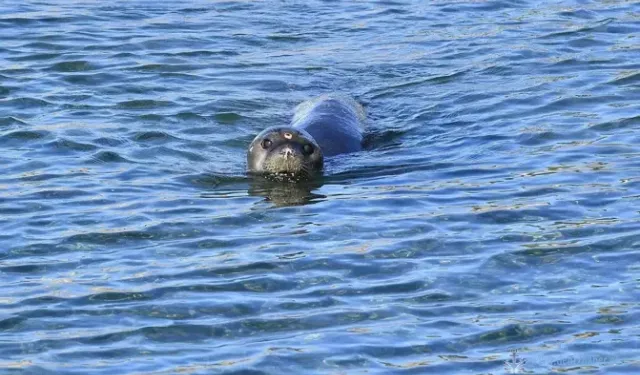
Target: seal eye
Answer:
[[307, 149], [266, 143]]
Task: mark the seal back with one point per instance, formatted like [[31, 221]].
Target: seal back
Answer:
[[335, 122]]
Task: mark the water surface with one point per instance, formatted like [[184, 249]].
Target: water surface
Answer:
[[495, 207]]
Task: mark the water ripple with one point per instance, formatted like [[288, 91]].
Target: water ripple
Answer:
[[491, 210]]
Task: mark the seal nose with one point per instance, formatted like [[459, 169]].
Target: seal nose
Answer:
[[287, 152]]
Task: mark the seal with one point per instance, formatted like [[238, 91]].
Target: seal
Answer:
[[324, 126]]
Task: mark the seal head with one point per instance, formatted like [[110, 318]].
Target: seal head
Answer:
[[285, 152]]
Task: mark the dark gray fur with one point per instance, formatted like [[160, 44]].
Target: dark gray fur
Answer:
[[334, 122]]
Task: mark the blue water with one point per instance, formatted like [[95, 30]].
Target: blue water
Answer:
[[495, 207]]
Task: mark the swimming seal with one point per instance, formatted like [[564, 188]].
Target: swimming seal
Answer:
[[328, 125]]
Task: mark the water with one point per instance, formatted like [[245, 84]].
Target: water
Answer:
[[495, 207]]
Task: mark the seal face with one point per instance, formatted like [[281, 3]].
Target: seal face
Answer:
[[327, 125], [285, 152]]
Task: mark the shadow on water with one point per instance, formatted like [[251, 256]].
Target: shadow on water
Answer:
[[382, 139], [281, 192], [286, 193]]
